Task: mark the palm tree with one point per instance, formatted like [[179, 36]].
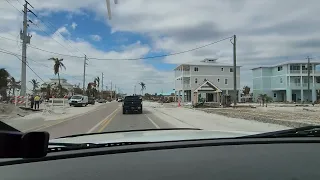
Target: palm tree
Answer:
[[14, 85], [35, 84], [4, 80], [97, 81], [56, 69], [143, 87]]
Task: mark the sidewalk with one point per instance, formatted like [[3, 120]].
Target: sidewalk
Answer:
[[58, 113], [190, 118]]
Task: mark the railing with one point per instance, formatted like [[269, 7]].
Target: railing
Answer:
[[306, 71], [179, 73], [294, 71], [186, 86]]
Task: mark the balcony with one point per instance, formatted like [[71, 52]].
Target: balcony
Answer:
[[185, 73], [303, 85], [294, 71]]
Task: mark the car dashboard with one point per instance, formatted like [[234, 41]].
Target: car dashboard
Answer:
[[281, 158]]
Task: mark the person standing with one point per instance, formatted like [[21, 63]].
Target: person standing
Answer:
[[31, 101], [36, 102]]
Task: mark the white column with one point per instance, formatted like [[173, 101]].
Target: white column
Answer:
[[301, 89], [314, 94], [289, 95]]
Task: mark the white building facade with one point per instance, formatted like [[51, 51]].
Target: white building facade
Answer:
[[189, 76]]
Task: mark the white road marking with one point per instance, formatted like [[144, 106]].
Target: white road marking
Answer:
[[156, 125], [97, 125]]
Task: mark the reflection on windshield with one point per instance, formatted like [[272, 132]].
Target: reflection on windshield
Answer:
[[258, 73]]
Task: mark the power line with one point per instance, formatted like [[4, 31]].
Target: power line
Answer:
[[12, 53], [51, 37], [170, 54], [35, 47], [14, 6], [22, 61], [148, 57]]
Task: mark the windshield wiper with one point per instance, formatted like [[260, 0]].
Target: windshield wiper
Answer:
[[307, 131], [135, 130], [55, 147]]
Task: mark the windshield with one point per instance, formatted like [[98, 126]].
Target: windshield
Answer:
[[229, 68], [76, 97]]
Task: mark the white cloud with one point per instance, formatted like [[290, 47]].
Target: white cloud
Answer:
[[74, 25], [95, 37]]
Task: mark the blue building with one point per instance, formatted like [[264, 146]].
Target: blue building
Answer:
[[287, 81]]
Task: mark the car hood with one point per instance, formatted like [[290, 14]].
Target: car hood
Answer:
[[151, 136]]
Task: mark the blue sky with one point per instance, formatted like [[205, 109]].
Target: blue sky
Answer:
[[87, 25]]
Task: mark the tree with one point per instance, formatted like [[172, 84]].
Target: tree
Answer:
[[77, 89], [14, 85], [246, 90], [265, 99], [4, 80], [58, 65], [143, 87], [97, 81], [35, 84]]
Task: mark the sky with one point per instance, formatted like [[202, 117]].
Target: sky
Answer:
[[268, 32]]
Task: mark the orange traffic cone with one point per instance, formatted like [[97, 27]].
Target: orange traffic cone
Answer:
[[179, 105]]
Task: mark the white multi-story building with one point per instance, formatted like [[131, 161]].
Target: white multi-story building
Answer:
[[63, 83], [209, 76], [287, 81]]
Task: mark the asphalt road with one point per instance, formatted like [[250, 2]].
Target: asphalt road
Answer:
[[105, 118]]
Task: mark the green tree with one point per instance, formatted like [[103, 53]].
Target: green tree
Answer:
[[58, 65], [143, 87], [35, 85], [4, 80], [14, 85]]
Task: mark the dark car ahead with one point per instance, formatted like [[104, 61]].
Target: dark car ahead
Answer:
[[132, 104]]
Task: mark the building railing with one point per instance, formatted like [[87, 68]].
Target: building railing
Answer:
[[294, 71]]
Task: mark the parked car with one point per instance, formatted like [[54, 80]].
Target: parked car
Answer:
[[78, 100], [119, 99], [91, 100]]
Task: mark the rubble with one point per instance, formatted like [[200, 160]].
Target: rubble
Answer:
[[297, 116]]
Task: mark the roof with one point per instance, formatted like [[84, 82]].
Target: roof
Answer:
[[207, 62], [208, 83], [287, 62]]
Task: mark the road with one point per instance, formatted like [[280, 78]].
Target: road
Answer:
[[105, 118]]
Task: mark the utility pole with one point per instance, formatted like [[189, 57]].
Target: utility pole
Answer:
[[84, 73], [234, 70], [102, 84], [25, 37], [111, 90], [102, 81], [308, 58], [134, 90]]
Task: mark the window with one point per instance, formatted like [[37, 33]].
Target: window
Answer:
[[317, 79], [221, 69], [279, 68], [196, 80], [231, 70], [218, 80], [281, 80], [196, 69], [225, 81], [275, 95]]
